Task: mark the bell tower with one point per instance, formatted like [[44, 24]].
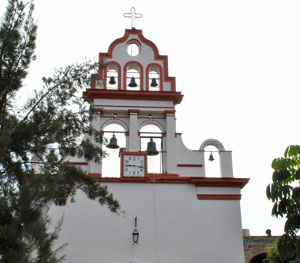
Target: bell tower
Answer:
[[175, 215]]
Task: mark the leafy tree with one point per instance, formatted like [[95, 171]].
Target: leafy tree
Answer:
[[284, 192], [40, 135]]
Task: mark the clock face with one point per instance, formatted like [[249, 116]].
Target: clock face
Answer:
[[133, 165]]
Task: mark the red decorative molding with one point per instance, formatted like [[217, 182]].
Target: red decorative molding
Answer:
[[176, 179], [96, 175], [133, 111], [78, 163], [130, 106], [100, 110], [164, 134], [219, 197], [219, 182], [189, 165], [127, 133], [177, 134], [175, 97], [169, 112]]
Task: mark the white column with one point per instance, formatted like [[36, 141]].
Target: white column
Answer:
[[134, 140], [170, 142], [95, 168], [226, 164]]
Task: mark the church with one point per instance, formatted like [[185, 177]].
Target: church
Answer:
[[174, 214]]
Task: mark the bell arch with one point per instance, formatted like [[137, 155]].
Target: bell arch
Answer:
[[152, 122], [154, 71], [133, 69], [112, 69], [115, 121], [212, 142]]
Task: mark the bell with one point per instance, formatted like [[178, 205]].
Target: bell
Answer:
[[211, 157], [112, 80], [113, 144], [153, 83], [132, 83], [151, 148]]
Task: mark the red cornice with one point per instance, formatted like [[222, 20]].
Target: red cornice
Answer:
[[219, 197], [133, 111], [175, 97], [219, 182], [176, 179], [169, 112]]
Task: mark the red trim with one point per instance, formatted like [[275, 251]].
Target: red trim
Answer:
[[78, 163], [130, 106], [219, 197], [160, 76], [164, 134], [127, 133], [95, 175], [175, 97], [133, 111], [219, 182], [100, 110], [176, 179], [169, 112], [119, 74], [101, 132], [141, 74], [189, 165], [133, 153], [178, 134], [164, 59]]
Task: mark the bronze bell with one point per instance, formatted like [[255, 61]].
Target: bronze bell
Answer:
[[112, 80], [132, 83], [153, 83], [151, 148], [113, 144], [211, 157]]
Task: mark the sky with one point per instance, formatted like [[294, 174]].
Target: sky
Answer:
[[236, 62]]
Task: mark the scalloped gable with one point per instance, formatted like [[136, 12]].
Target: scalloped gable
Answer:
[[157, 58]]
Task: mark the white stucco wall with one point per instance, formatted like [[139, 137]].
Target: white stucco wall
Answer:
[[174, 227]]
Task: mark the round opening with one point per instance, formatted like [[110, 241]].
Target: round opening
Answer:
[[133, 49]]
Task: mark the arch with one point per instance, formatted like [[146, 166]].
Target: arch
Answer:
[[125, 74], [115, 121], [160, 75], [152, 122], [119, 73], [258, 258], [212, 142]]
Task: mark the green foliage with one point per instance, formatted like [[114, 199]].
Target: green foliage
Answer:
[[40, 137], [284, 192]]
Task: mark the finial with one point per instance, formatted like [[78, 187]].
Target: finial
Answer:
[[132, 15]]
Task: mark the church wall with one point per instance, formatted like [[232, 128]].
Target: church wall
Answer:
[[174, 227]]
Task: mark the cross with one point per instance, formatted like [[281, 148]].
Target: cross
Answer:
[[132, 15]]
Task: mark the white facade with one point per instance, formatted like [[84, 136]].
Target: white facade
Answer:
[[182, 216]]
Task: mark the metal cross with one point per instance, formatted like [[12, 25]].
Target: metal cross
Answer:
[[132, 15]]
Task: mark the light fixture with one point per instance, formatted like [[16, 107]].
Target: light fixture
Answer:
[[115, 115], [135, 233]]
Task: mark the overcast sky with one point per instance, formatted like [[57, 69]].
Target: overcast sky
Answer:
[[237, 63]]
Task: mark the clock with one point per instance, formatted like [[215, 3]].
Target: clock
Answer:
[[133, 164]]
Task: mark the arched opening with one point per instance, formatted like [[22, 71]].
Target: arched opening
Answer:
[[112, 77], [212, 161], [147, 133], [154, 78], [111, 163], [259, 258], [133, 77]]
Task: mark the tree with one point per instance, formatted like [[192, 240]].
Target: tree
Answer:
[[42, 134], [284, 192]]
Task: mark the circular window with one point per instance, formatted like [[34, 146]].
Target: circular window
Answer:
[[133, 49]]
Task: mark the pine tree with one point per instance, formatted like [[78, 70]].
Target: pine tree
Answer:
[[40, 134]]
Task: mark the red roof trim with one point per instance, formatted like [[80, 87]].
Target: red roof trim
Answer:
[[175, 97], [219, 197]]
